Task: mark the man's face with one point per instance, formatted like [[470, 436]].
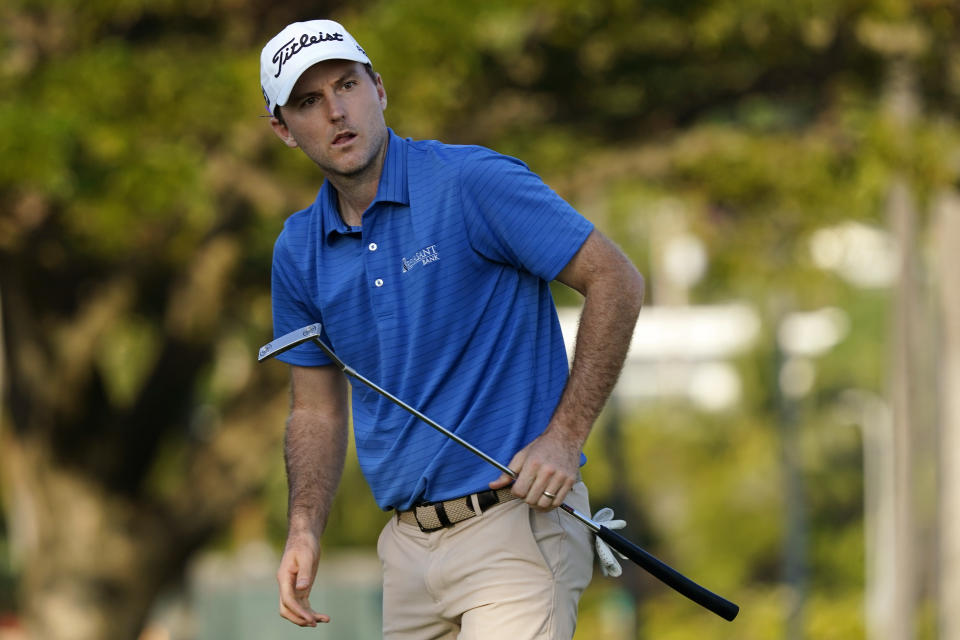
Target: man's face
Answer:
[[335, 114]]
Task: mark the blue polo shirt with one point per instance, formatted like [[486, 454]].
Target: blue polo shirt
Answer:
[[442, 298]]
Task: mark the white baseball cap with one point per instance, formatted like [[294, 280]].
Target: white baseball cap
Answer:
[[297, 48]]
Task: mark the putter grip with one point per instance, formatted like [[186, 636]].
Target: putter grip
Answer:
[[670, 576]]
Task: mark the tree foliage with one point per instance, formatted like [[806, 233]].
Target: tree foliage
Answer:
[[140, 193]]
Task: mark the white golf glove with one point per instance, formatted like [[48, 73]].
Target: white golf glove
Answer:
[[608, 562]]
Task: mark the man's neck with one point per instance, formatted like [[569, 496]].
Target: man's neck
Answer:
[[353, 198], [355, 193]]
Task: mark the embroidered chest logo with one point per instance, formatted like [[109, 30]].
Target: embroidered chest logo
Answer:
[[424, 256]]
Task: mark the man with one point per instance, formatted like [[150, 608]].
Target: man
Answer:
[[428, 266]]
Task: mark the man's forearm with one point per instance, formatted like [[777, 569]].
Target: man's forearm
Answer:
[[613, 294], [606, 327], [546, 469], [314, 452]]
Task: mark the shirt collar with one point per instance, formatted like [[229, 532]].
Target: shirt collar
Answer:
[[392, 187]]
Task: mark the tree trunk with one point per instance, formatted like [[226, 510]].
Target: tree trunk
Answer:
[[93, 559], [902, 105], [904, 371], [947, 238], [92, 562], [879, 519], [108, 500]]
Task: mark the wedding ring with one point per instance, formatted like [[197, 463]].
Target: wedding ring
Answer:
[[552, 496]]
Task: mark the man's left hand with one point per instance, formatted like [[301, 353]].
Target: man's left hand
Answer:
[[548, 465]]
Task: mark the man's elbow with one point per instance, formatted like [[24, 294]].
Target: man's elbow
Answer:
[[634, 289], [622, 285]]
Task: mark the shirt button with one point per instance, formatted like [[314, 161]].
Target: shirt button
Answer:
[[372, 246], [378, 282]]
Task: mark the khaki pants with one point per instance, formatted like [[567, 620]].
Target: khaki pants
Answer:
[[511, 573]]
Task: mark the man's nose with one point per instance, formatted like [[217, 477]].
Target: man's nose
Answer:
[[336, 109]]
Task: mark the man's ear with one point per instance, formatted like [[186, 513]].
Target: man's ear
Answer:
[[280, 128], [381, 92]]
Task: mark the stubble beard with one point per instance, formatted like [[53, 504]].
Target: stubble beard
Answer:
[[365, 166]]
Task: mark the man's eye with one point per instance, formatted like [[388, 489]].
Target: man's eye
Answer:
[[349, 84], [309, 101]]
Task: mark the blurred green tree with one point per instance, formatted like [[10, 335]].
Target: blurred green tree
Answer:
[[140, 196], [138, 211]]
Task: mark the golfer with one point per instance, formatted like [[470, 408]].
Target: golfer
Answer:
[[428, 266]]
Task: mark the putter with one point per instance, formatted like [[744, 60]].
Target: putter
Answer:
[[658, 569]]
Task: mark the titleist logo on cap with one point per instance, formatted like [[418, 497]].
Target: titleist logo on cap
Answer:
[[293, 46], [295, 49]]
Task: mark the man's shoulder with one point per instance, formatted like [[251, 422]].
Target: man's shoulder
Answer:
[[445, 153], [300, 219], [298, 225]]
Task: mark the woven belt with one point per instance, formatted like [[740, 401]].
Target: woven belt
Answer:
[[432, 516]]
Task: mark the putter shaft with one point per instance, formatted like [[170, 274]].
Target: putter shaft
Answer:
[[350, 371], [660, 570]]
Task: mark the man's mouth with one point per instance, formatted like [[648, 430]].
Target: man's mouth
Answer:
[[343, 138]]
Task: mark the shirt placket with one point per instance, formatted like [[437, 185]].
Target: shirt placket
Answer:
[[378, 279]]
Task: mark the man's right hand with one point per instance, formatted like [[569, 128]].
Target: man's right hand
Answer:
[[298, 569]]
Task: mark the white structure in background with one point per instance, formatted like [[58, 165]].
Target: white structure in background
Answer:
[[684, 259], [682, 352], [863, 255], [802, 336]]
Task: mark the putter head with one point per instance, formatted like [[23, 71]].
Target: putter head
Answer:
[[289, 341]]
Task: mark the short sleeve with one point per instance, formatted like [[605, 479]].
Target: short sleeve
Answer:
[[290, 310], [513, 217]]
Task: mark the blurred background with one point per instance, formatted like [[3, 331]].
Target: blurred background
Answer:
[[787, 427]]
